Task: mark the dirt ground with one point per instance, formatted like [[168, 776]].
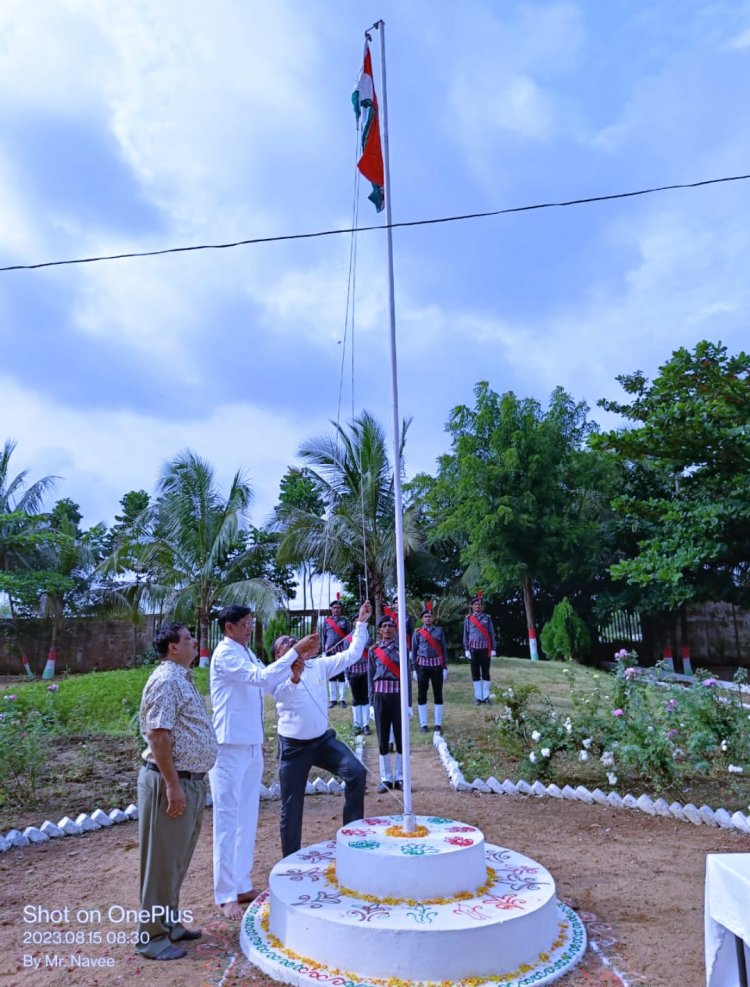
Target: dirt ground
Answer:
[[637, 881]]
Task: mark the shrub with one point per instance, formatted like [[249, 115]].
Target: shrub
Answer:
[[24, 742], [566, 635]]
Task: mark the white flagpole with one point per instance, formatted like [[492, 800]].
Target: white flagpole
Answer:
[[409, 818]]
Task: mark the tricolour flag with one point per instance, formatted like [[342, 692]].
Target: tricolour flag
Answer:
[[366, 108]]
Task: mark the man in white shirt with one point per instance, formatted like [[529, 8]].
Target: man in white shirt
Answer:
[[305, 740], [238, 679]]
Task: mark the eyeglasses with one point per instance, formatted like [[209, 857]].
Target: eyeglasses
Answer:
[[247, 624]]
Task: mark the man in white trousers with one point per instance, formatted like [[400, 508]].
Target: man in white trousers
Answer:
[[238, 679]]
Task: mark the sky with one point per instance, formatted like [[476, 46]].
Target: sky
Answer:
[[151, 124]]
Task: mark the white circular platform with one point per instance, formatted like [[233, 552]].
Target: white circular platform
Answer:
[[310, 927], [370, 858]]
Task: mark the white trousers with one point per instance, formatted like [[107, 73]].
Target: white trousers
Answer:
[[235, 789]]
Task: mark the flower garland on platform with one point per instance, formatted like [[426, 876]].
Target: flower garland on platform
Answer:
[[401, 834], [524, 968], [330, 876]]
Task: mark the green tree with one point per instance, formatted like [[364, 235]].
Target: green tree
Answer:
[[687, 454], [565, 635], [299, 496], [22, 534], [193, 553], [356, 537], [521, 495], [69, 558]]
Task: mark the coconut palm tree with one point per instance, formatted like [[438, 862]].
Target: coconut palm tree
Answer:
[[21, 531], [356, 534], [191, 553]]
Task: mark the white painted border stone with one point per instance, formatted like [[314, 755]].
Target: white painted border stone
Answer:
[[705, 816]]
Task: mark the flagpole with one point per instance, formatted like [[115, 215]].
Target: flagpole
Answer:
[[409, 818]]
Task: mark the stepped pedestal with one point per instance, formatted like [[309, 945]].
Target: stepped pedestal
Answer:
[[383, 907]]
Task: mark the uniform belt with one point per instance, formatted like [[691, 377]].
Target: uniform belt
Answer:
[[190, 775]]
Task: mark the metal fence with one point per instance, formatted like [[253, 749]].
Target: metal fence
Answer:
[[623, 625]]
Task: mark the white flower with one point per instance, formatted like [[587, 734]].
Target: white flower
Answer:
[[583, 755], [532, 757], [568, 725], [734, 769], [724, 745], [607, 759], [586, 743], [611, 777], [546, 752], [536, 736]]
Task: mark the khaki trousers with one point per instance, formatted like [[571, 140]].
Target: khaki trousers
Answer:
[[166, 849]]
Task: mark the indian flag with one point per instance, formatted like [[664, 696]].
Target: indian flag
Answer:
[[366, 108]]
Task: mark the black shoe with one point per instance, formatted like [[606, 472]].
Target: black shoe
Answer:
[[398, 785], [170, 953], [382, 788], [357, 731], [331, 703], [342, 703], [367, 731], [478, 702], [438, 729], [423, 729], [189, 935]]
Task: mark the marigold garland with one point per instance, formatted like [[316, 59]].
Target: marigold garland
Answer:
[[330, 876], [264, 915], [401, 834]]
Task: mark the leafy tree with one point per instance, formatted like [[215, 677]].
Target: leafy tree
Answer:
[[520, 494], [687, 453], [22, 533], [70, 559], [354, 478], [193, 549], [566, 635], [259, 551], [299, 496]]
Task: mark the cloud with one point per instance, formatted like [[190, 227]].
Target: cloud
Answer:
[[101, 458], [506, 73]]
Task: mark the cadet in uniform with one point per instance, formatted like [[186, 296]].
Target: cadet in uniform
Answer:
[[385, 698], [479, 646], [336, 637], [428, 655]]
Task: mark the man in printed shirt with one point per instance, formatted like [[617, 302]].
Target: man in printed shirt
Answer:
[[479, 646], [336, 637], [171, 790], [428, 655], [305, 740], [238, 679], [385, 698]]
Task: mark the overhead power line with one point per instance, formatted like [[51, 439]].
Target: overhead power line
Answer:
[[365, 229]]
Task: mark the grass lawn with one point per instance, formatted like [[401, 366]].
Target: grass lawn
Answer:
[[92, 745]]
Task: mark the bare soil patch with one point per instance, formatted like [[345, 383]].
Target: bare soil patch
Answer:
[[80, 774], [642, 877]]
